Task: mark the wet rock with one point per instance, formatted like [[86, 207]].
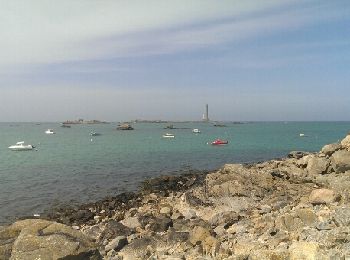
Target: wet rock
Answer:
[[114, 229], [329, 149], [34, 239], [341, 161], [82, 216], [322, 196], [297, 154], [317, 165]]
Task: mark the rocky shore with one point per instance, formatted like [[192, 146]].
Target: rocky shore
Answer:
[[291, 208]]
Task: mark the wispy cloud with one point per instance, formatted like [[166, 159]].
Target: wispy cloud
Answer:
[[43, 32]]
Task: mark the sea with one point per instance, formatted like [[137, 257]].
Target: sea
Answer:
[[72, 167]]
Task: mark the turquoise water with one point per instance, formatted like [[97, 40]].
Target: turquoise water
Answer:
[[69, 166]]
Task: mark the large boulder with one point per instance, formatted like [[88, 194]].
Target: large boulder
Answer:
[[322, 196], [341, 161], [317, 165], [329, 149], [45, 240], [346, 142]]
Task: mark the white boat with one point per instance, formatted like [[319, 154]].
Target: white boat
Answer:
[[167, 135], [301, 135], [196, 131], [49, 132], [20, 146]]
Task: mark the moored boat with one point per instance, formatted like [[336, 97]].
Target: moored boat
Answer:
[[196, 131], [94, 134], [167, 135], [20, 146], [49, 132], [219, 142]]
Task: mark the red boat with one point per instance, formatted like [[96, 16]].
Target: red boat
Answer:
[[219, 142]]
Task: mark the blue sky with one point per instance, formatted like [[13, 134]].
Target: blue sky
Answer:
[[120, 60]]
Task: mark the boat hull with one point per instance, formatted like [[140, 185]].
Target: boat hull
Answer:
[[24, 148]]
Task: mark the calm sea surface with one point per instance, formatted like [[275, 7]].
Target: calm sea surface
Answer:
[[73, 166]]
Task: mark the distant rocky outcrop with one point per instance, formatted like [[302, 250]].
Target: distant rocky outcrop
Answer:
[[292, 208], [125, 127]]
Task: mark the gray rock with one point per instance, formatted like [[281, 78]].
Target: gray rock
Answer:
[[329, 149], [226, 218], [117, 243], [131, 222], [317, 165], [114, 229], [342, 216], [160, 224], [341, 161], [174, 236]]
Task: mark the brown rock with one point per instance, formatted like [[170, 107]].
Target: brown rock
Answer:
[[198, 234], [329, 149], [322, 196], [303, 251], [346, 142], [42, 239], [341, 161], [317, 165], [308, 217]]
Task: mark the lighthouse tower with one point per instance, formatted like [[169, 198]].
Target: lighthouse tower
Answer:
[[206, 115]]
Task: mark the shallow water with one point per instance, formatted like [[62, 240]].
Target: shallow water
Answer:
[[73, 166]]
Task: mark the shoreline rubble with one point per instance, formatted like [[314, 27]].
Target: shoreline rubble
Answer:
[[296, 207]]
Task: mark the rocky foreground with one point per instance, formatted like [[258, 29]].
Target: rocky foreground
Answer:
[[292, 208]]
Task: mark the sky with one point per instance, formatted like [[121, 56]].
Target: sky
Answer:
[[116, 60]]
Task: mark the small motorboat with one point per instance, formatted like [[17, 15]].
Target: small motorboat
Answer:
[[196, 131], [49, 132], [94, 134], [167, 135], [20, 146], [302, 135], [219, 142]]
